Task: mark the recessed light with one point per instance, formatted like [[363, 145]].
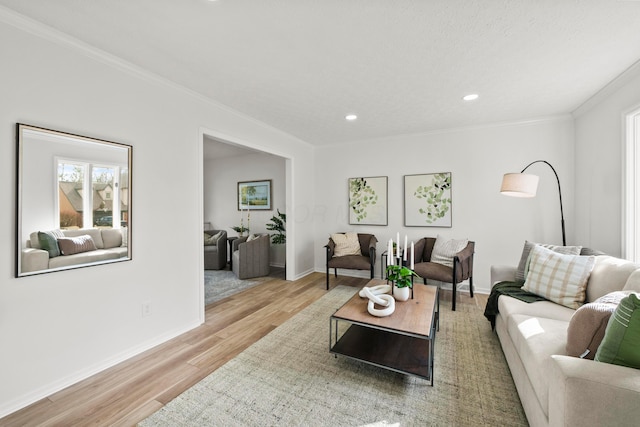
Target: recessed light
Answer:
[[350, 117], [470, 97]]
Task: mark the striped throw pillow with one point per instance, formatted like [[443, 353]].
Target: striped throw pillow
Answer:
[[444, 250], [76, 245], [557, 277]]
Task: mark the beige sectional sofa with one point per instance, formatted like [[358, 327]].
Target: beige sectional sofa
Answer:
[[560, 390], [110, 244]]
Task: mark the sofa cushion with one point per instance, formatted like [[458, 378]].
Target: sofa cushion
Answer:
[[346, 244], [609, 274], [76, 245], [633, 282], [48, 241], [98, 255], [588, 324], [621, 343], [557, 277], [526, 251], [111, 237], [444, 250], [508, 306], [535, 340]]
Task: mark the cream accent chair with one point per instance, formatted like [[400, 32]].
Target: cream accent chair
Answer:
[[251, 256]]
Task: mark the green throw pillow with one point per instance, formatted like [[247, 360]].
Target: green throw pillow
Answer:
[[621, 343], [49, 242]]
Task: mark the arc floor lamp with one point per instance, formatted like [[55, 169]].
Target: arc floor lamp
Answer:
[[525, 185]]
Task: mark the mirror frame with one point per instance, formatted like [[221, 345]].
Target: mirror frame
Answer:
[[27, 137]]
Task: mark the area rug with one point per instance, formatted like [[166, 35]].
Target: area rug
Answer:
[[289, 378], [220, 284]]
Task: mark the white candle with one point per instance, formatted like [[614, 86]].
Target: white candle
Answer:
[[412, 255], [390, 253], [398, 245], [405, 248]]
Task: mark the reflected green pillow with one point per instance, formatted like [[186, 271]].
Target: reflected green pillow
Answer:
[[49, 242]]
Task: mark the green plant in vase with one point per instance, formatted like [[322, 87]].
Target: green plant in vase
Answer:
[[240, 230], [400, 275]]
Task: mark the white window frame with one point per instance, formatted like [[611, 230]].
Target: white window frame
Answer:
[[87, 191], [631, 185]]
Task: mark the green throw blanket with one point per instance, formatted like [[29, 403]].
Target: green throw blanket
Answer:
[[512, 289]]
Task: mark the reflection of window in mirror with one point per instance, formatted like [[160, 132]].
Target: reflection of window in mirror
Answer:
[[103, 206], [70, 186]]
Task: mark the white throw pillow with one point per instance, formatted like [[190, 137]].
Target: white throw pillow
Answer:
[[346, 244], [210, 240], [444, 250], [252, 237], [559, 278]]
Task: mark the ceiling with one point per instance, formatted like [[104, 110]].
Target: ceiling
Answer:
[[401, 65]]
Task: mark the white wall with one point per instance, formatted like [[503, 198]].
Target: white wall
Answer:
[[599, 166], [221, 177], [60, 327], [477, 158]]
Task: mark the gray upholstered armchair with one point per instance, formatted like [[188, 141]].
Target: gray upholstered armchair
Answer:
[[365, 260], [215, 250], [250, 257], [462, 266]]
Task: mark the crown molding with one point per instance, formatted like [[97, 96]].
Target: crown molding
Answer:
[[48, 33], [625, 77], [492, 125]]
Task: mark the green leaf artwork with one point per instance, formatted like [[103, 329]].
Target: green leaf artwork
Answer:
[[362, 197], [436, 197]]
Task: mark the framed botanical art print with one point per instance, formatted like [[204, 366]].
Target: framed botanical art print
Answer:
[[254, 195], [368, 200], [427, 200]]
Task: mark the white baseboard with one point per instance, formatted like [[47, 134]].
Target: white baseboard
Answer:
[[23, 401]]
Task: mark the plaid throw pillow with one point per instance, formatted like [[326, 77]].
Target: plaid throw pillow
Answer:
[[559, 278], [521, 272]]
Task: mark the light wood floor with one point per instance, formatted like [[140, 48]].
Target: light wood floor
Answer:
[[129, 392]]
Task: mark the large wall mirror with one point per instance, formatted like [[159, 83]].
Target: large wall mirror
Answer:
[[73, 201]]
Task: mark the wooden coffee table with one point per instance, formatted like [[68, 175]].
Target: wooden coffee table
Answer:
[[402, 342]]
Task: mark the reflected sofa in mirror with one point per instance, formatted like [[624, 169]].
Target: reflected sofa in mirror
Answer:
[[73, 201]]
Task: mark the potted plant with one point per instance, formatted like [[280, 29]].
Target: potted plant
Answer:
[[277, 224], [240, 230], [401, 277]]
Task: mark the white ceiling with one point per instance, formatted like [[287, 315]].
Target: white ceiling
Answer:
[[401, 65]]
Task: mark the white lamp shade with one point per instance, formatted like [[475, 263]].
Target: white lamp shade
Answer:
[[519, 185]]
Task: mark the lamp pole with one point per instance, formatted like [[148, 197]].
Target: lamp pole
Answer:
[[564, 239]]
